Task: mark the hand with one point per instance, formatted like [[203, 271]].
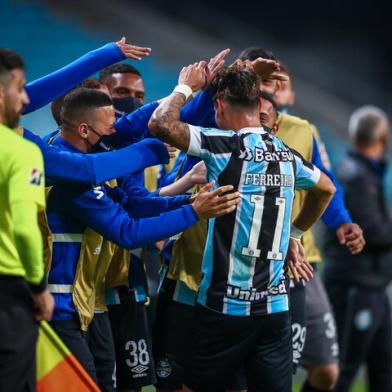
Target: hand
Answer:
[[171, 150], [351, 235], [43, 305], [215, 65], [132, 51], [198, 173], [268, 69], [213, 204], [194, 76], [297, 263]]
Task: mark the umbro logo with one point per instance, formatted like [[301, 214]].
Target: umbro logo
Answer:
[[246, 154], [35, 177], [139, 369]]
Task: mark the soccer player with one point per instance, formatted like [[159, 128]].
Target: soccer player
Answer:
[[125, 85], [242, 314], [87, 116], [24, 298], [356, 284], [177, 297], [318, 353]]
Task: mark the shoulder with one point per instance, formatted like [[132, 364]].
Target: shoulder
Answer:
[[15, 148], [211, 131], [292, 126], [289, 120], [296, 133]]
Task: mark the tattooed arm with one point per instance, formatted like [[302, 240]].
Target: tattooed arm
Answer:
[[165, 122]]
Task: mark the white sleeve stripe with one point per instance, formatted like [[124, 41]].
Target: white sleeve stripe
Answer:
[[316, 175], [194, 141]]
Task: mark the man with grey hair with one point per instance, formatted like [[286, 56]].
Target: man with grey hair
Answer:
[[356, 284]]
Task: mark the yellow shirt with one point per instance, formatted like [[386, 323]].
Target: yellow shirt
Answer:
[[21, 180], [297, 134]]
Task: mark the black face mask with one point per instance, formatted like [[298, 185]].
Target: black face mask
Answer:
[[125, 105], [104, 144], [269, 130]]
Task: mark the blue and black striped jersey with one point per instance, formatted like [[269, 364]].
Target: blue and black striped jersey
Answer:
[[244, 257]]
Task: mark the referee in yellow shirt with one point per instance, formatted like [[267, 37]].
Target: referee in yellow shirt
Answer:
[[24, 299]]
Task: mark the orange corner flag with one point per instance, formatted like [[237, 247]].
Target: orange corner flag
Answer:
[[57, 368]]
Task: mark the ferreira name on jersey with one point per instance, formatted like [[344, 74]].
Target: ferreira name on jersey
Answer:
[[244, 258]]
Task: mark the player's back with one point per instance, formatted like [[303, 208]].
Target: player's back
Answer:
[[245, 252]]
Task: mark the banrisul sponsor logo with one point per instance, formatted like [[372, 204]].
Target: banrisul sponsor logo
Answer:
[[261, 155]]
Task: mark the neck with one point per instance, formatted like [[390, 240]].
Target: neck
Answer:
[[73, 139], [244, 120], [369, 152]]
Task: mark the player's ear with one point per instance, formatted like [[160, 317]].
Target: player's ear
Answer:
[[83, 130], [220, 107]]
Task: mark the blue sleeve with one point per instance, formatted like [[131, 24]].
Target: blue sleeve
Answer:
[[140, 207], [134, 184], [46, 89], [96, 210], [336, 213], [64, 166], [199, 109], [134, 126]]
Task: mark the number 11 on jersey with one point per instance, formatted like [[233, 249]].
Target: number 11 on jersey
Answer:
[[251, 249]]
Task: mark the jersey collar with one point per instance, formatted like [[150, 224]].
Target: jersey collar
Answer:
[[257, 130]]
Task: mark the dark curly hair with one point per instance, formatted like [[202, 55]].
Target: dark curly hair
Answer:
[[117, 68], [239, 87]]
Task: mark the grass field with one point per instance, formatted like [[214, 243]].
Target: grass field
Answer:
[[359, 386]]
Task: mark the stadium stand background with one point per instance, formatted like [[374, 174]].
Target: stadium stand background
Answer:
[[335, 60], [335, 53]]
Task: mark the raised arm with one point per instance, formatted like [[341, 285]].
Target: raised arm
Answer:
[[46, 89], [165, 122], [64, 166]]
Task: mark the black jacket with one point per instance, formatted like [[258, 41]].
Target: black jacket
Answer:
[[365, 201]]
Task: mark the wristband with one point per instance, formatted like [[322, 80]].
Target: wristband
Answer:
[[295, 233], [184, 90]]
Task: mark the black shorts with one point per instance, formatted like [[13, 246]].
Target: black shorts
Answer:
[[18, 336], [100, 342], [298, 320], [173, 334], [221, 344], [76, 340], [132, 341]]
